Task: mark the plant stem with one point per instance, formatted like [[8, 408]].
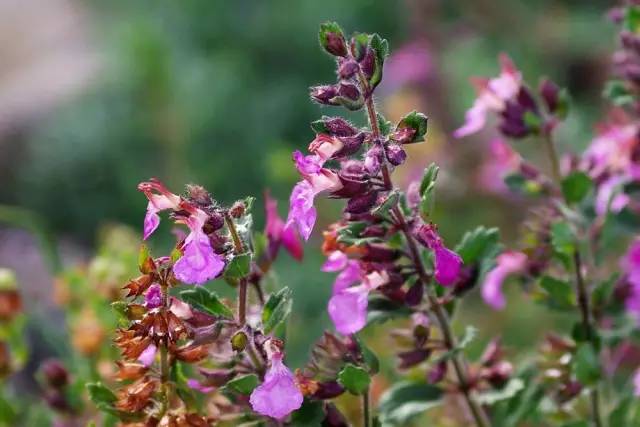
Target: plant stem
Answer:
[[164, 359], [477, 411], [366, 413], [242, 285], [581, 287]]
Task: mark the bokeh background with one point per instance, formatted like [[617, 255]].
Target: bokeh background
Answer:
[[97, 96]]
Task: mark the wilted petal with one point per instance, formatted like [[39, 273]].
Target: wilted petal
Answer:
[[148, 355], [348, 309], [199, 263], [507, 263], [278, 395]]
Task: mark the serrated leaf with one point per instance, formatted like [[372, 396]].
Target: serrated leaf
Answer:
[[406, 400], [428, 177], [381, 48], [205, 300], [243, 384], [354, 379], [238, 267], [276, 310], [506, 392], [576, 186], [416, 121], [383, 124], [585, 364]]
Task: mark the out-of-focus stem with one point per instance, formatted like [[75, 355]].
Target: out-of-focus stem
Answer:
[[164, 359], [366, 412], [242, 285], [581, 287], [458, 362]]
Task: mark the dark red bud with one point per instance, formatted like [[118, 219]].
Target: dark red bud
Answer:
[[328, 390], [54, 373], [437, 373], [368, 63], [361, 203], [409, 359], [348, 68], [414, 295], [348, 90], [335, 44], [338, 126], [396, 154], [324, 94]]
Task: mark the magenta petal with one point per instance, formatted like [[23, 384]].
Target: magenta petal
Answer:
[[148, 355], [197, 385], [507, 263], [292, 243], [447, 266], [153, 296], [336, 261], [151, 221], [307, 165], [474, 120], [199, 263], [348, 309], [278, 395], [302, 213], [347, 277]]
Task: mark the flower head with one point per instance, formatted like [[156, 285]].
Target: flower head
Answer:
[[278, 395], [199, 262], [447, 263], [507, 263]]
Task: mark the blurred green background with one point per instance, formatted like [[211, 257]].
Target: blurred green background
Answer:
[[97, 96]]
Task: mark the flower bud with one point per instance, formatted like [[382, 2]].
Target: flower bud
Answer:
[[54, 373], [239, 341], [549, 92], [437, 373], [328, 390], [347, 68], [199, 195], [409, 359], [324, 94], [368, 63], [348, 90], [238, 209], [380, 253], [338, 126], [332, 39], [333, 417], [499, 374], [56, 400], [373, 159], [361, 203], [396, 154], [414, 295]]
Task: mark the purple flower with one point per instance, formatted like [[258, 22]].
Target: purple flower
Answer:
[[348, 309], [159, 199], [277, 233], [198, 263], [278, 395], [636, 383], [492, 96], [153, 296], [500, 160], [336, 261], [507, 263], [148, 355], [447, 263], [352, 273], [609, 197]]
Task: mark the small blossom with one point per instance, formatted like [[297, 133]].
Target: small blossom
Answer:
[[278, 395], [148, 355], [277, 233], [198, 263], [492, 96], [348, 309], [153, 297], [159, 199], [507, 263], [447, 263]]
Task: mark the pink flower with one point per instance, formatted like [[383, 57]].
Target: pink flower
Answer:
[[348, 305], [278, 395], [336, 261], [636, 383], [199, 262], [148, 355], [325, 146], [492, 96], [277, 233], [612, 151], [507, 263], [630, 263], [153, 297], [317, 179], [159, 199], [447, 263], [501, 159], [609, 195]]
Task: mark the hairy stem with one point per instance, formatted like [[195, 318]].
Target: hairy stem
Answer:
[[581, 287], [458, 362], [242, 285]]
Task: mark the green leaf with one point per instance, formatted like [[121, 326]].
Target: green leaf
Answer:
[[517, 183], [319, 126], [585, 364], [244, 384], [311, 413], [617, 92], [632, 18], [238, 267], [620, 414], [562, 238], [383, 124], [381, 48], [387, 204], [416, 121], [576, 186], [475, 244], [469, 335], [120, 308], [350, 234], [560, 293], [354, 379], [507, 392], [407, 399], [276, 310], [205, 300], [100, 394], [428, 177]]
